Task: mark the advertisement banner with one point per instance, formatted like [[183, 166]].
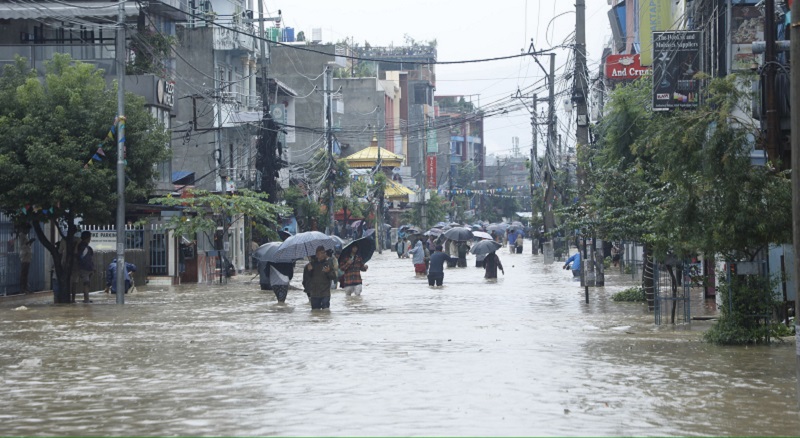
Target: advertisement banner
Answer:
[[654, 16], [433, 142], [624, 68], [747, 25], [430, 169], [677, 60]]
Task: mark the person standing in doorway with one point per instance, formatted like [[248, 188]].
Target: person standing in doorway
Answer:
[[353, 265], [436, 271], [320, 273], [491, 264]]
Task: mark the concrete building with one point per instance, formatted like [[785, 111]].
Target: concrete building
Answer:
[[413, 68], [86, 30]]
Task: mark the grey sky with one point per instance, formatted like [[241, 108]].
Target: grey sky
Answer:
[[465, 29]]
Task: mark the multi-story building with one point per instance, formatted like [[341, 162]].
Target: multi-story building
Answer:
[[86, 30], [413, 68]]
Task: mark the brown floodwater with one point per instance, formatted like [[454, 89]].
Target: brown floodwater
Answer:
[[520, 356]]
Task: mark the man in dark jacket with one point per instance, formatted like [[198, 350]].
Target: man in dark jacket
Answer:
[[317, 280], [436, 270]]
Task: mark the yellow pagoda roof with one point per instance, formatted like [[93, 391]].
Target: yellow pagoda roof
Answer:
[[396, 191], [367, 158]]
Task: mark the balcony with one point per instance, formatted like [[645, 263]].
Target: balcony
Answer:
[[101, 55], [174, 9]]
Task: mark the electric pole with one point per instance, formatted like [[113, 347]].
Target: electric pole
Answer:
[[773, 125], [266, 159], [582, 129], [534, 169], [328, 89], [120, 55], [795, 124]]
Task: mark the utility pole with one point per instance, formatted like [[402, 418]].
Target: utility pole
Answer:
[[268, 134], [329, 132], [424, 144], [379, 210], [120, 55], [771, 106], [549, 222], [582, 129], [534, 170], [795, 124]]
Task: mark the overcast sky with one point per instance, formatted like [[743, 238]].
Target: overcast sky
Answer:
[[466, 29]]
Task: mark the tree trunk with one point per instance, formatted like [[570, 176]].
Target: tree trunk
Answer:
[[62, 293]]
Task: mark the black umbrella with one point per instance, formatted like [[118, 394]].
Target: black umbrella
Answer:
[[366, 247], [284, 234], [459, 234], [485, 247]]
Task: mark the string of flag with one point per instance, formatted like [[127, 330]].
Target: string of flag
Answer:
[[99, 154], [494, 191]]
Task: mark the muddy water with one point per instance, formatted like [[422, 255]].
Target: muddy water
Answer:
[[521, 356]]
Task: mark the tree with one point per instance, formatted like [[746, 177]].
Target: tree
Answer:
[[305, 209], [435, 210], [203, 212], [53, 170]]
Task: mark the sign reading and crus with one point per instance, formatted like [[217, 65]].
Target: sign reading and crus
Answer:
[[625, 67], [676, 61]]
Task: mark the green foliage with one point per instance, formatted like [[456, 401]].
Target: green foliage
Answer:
[[306, 210], [150, 49], [204, 211], [682, 181], [435, 209], [742, 315], [631, 294], [49, 130]]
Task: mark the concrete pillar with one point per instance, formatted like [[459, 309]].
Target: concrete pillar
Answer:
[[246, 80], [253, 91]]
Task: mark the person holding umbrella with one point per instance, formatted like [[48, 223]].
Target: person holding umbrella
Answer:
[[317, 280], [352, 264], [491, 263], [418, 258], [463, 249]]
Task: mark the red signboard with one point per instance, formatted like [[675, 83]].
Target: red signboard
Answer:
[[624, 67], [430, 166]]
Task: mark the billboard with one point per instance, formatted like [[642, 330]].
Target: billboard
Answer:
[[654, 16], [624, 68], [675, 63], [430, 170], [747, 25]]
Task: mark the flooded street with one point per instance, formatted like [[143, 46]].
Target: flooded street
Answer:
[[522, 356]]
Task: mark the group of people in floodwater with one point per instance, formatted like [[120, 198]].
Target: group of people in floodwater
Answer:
[[428, 257]]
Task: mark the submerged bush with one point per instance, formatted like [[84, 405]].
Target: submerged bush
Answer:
[[745, 313], [632, 294]]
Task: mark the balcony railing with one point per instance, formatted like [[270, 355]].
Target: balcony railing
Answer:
[[101, 55]]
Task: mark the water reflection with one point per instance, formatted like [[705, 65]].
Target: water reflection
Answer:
[[520, 356]]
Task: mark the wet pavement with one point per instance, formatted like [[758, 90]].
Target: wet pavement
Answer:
[[521, 356]]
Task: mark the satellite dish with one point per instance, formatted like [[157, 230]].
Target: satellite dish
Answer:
[[277, 113]]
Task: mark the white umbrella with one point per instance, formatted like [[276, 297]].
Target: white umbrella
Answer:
[[482, 235], [303, 245]]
